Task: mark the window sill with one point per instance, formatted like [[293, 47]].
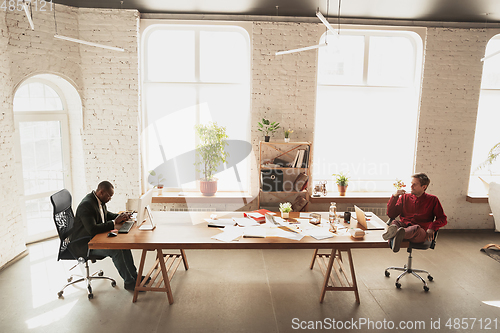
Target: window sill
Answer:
[[477, 199], [354, 197], [197, 197]]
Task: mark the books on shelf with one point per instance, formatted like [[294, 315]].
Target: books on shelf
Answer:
[[301, 159]]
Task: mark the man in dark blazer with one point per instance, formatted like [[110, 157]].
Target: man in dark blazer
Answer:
[[93, 218]]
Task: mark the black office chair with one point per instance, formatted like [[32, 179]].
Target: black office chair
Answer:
[[408, 267], [64, 218]]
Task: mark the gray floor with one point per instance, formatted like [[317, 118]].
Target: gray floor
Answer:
[[260, 291]]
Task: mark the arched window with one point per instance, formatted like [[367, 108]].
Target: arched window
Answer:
[[41, 122], [193, 74], [367, 107], [488, 118]]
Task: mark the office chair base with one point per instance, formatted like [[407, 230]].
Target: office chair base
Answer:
[[87, 279], [414, 272]]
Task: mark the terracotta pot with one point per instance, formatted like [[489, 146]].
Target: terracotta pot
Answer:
[[285, 215], [342, 190], [208, 188]]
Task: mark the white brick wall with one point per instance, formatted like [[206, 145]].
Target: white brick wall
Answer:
[[284, 86], [284, 90], [108, 85], [12, 235], [110, 91], [450, 95]]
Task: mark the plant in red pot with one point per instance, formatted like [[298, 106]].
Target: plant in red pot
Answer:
[[211, 152], [342, 181]]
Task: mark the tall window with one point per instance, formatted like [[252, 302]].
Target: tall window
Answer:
[[367, 107], [194, 74], [43, 150], [488, 118]]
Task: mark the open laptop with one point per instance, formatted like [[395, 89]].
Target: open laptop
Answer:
[[367, 225]]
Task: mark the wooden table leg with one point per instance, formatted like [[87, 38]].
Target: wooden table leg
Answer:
[[164, 272], [184, 259], [327, 275], [139, 275], [353, 276], [314, 258]]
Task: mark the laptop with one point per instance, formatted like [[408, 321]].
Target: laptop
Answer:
[[367, 225]]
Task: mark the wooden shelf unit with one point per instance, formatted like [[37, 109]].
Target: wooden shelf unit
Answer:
[[285, 151]]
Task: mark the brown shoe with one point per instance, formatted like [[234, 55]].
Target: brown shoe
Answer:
[[398, 238]]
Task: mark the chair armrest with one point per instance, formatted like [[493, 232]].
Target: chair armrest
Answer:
[[433, 242]]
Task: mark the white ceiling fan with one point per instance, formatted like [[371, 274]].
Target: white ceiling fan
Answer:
[[328, 26]]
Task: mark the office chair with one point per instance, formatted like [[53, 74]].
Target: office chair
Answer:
[[64, 219], [408, 267]]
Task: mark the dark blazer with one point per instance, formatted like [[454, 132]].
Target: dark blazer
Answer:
[[88, 223]]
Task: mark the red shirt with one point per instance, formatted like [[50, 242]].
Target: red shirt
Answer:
[[425, 210]]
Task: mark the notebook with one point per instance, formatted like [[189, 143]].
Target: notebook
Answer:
[[367, 225]]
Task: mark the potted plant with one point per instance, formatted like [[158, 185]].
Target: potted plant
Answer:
[[287, 135], [342, 181], [159, 179], [267, 127], [285, 209], [211, 152]]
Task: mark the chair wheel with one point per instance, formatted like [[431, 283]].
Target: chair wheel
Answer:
[[387, 274], [113, 284], [90, 290], [101, 273], [91, 296], [70, 279], [426, 288], [59, 294], [430, 277], [398, 285]]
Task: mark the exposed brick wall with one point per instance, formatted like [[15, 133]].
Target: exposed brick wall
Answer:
[[12, 235], [283, 90], [110, 96], [107, 82], [450, 95], [284, 86]]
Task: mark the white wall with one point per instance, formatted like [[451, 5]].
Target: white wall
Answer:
[[284, 89], [108, 84]]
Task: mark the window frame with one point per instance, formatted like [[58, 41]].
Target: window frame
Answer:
[[147, 28], [35, 116], [416, 36]]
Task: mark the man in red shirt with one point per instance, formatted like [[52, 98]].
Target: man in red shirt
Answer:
[[420, 214]]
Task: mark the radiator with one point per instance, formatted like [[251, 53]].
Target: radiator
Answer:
[[189, 209]]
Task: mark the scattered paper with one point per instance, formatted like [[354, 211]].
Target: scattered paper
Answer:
[[254, 232], [245, 221], [318, 233], [220, 223], [304, 215], [278, 232], [229, 234]]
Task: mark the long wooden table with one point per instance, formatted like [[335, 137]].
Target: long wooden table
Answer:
[[187, 230]]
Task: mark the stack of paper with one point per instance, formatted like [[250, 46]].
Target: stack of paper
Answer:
[[229, 234]]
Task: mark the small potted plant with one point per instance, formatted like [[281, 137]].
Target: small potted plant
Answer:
[[159, 179], [285, 209], [268, 127], [211, 151], [342, 181], [399, 184], [287, 135]]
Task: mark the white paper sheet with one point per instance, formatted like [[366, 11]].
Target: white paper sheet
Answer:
[[245, 221], [229, 234], [318, 233]]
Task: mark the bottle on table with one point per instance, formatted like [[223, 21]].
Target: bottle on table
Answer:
[[332, 217]]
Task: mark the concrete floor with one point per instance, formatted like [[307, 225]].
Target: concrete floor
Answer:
[[261, 291]]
